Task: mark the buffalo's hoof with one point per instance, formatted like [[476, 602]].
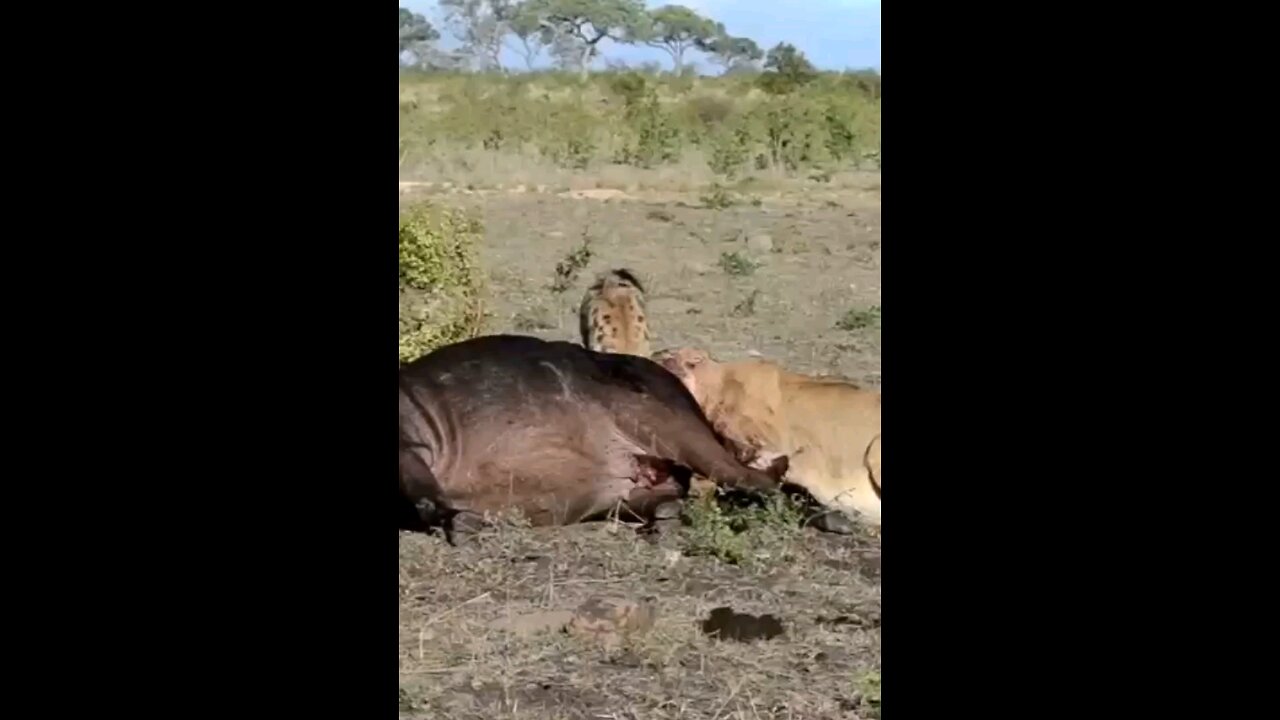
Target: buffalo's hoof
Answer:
[[427, 511], [463, 527]]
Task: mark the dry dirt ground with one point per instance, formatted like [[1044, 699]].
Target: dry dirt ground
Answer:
[[512, 626]]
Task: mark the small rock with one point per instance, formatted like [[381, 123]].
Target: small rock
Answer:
[[627, 659], [760, 243], [605, 194], [697, 587], [869, 568], [833, 521], [555, 234], [533, 623], [607, 618], [862, 618], [832, 655]]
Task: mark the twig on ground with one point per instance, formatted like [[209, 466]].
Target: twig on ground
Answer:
[[452, 610], [732, 693]]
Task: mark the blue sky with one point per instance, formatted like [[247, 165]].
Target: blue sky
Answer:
[[834, 34]]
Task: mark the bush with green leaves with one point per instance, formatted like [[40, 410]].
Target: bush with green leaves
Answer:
[[567, 135], [440, 285], [741, 533], [651, 135], [655, 139], [786, 70], [729, 151], [795, 132]]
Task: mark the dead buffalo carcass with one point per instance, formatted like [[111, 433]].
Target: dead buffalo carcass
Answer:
[[562, 433]]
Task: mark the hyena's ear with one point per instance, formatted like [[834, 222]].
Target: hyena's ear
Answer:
[[628, 276]]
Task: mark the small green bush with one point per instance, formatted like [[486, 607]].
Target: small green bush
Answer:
[[651, 135], [718, 197], [859, 318], [729, 151], [737, 264], [440, 283], [738, 534]]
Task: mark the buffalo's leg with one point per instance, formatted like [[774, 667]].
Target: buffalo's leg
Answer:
[[647, 504], [419, 486], [690, 441], [707, 457], [661, 486]]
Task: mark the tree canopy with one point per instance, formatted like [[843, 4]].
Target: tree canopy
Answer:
[[675, 29], [786, 69], [415, 29], [572, 33], [728, 50], [588, 21]]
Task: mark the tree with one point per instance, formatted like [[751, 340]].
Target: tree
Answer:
[[415, 30], [528, 31], [416, 40], [480, 25], [566, 51], [786, 68], [675, 29], [587, 22], [728, 51], [416, 36]]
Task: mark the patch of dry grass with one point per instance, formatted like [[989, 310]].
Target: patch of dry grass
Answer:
[[457, 662], [479, 169]]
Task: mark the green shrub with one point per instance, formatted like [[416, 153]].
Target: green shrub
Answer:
[[795, 132], [440, 283], [567, 134], [820, 121], [653, 135], [859, 318], [737, 264], [741, 534], [729, 151]]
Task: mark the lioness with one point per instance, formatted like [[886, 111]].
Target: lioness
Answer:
[[829, 427]]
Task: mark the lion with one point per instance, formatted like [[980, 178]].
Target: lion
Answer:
[[828, 427], [612, 316]]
